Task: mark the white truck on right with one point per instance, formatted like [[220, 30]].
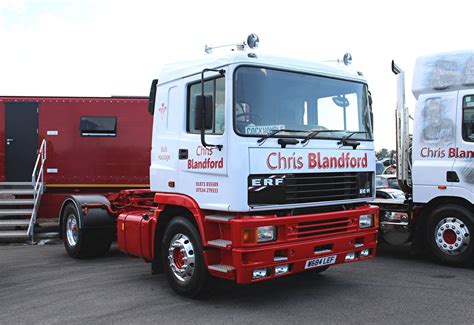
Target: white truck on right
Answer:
[[435, 165]]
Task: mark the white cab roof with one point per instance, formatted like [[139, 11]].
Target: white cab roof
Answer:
[[183, 69]]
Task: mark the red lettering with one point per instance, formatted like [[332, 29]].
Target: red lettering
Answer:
[[365, 161], [281, 161], [269, 165], [353, 162], [299, 162], [312, 160]]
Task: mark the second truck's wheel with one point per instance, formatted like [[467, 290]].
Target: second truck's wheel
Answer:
[[449, 235], [183, 258], [83, 242]]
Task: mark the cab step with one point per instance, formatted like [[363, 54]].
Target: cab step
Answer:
[[219, 218], [219, 243], [221, 268]]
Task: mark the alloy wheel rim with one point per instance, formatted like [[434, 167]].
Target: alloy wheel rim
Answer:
[[452, 236], [72, 230], [181, 258]]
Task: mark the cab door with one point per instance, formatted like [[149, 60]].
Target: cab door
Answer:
[[463, 152], [202, 171]]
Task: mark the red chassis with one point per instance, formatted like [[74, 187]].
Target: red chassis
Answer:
[[141, 215]]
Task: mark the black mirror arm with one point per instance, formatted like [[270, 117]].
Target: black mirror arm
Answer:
[[203, 114]]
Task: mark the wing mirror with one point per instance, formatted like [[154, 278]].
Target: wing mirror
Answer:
[[206, 104]]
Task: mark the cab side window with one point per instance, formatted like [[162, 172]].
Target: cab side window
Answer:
[[468, 118], [216, 88]]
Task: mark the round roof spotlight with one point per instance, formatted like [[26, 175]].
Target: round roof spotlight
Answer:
[[253, 41], [347, 59]]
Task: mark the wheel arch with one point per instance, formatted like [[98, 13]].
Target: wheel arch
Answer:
[[97, 217], [442, 200], [169, 212]]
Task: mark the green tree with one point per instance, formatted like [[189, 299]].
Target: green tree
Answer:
[[381, 154]]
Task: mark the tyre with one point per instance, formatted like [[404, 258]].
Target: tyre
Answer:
[[450, 228], [83, 242], [183, 259]]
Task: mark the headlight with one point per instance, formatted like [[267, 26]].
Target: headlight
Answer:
[[366, 221], [259, 235]]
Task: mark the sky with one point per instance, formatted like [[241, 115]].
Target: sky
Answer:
[[104, 48]]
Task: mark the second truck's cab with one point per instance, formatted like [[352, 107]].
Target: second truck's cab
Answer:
[[443, 138], [436, 165]]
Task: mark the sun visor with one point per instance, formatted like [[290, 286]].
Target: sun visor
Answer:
[[443, 72]]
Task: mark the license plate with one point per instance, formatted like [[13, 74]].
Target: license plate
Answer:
[[328, 260]]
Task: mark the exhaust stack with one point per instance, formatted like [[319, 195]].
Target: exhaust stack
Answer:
[[403, 135]]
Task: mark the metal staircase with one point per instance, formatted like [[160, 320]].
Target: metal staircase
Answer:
[[19, 203]]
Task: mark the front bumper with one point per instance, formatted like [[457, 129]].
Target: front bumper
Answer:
[[300, 238]]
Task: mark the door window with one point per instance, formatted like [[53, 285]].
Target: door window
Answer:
[[468, 118], [216, 88]]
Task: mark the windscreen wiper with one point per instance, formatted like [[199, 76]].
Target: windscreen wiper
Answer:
[[314, 133], [275, 131], [346, 142]]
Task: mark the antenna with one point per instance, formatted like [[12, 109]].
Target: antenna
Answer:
[[252, 42]]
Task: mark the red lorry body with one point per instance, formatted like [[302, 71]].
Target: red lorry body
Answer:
[[300, 236], [75, 163]]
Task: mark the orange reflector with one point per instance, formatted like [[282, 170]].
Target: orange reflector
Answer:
[[170, 184], [123, 226], [249, 236], [441, 187]]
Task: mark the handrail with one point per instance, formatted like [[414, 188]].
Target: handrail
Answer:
[[37, 181]]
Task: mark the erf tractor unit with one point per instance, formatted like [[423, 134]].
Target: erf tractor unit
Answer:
[[260, 168], [436, 165]]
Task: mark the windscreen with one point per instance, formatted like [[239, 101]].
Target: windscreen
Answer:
[[268, 99]]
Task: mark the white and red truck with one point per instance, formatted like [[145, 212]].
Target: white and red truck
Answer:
[[435, 165], [261, 167]]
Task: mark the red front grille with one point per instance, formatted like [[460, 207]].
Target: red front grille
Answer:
[[322, 228]]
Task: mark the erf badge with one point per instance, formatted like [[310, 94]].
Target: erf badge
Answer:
[[162, 110]]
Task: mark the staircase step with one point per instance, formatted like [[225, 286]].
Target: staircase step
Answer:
[[17, 202], [221, 268], [219, 243], [19, 184], [14, 223], [16, 212], [17, 191], [219, 218], [13, 234]]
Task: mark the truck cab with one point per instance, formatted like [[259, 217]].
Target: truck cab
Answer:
[[311, 108], [261, 167]]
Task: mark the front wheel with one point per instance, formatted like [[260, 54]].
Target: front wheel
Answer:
[[183, 257], [449, 235]]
